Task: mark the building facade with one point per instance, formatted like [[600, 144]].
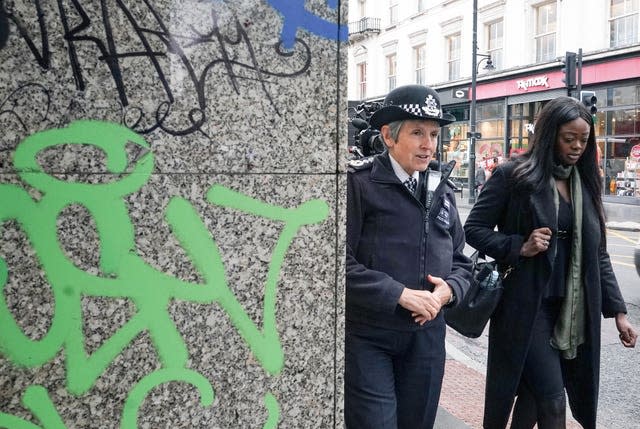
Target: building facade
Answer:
[[522, 47]]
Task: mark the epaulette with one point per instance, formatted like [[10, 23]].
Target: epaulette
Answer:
[[360, 164]]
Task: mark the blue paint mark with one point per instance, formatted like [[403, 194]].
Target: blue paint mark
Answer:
[[296, 16]]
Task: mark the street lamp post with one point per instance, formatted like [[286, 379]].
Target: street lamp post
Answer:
[[472, 135], [472, 108]]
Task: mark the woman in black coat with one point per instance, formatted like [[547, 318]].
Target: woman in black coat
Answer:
[[544, 336]]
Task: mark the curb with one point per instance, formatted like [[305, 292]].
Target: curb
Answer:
[[624, 226]]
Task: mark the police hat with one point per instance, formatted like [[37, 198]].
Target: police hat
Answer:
[[409, 102]]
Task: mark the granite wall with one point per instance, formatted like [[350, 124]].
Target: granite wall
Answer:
[[171, 176]]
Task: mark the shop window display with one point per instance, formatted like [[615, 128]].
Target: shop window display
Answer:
[[457, 149], [622, 166], [618, 130]]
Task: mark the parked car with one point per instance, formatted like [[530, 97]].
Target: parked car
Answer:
[[636, 254]]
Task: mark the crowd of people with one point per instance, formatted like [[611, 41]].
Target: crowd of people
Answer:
[[539, 215]]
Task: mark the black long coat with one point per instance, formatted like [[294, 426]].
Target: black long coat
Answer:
[[517, 214]]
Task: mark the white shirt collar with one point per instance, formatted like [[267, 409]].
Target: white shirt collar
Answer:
[[400, 172]]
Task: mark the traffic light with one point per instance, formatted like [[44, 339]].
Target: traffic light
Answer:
[[589, 99], [569, 70]]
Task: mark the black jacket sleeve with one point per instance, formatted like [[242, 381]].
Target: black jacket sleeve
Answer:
[[491, 210], [612, 301]]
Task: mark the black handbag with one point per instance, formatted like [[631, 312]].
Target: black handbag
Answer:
[[471, 315]]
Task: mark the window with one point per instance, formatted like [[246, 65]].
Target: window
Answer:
[[391, 71], [545, 32], [617, 131], [521, 120], [495, 42], [362, 8], [453, 56], [455, 148], [419, 54], [393, 12], [628, 95], [623, 24], [624, 121], [490, 124], [362, 80]]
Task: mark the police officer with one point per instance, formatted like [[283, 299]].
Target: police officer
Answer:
[[404, 263]]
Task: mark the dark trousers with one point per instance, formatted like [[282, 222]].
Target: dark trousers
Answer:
[[393, 378], [541, 395]]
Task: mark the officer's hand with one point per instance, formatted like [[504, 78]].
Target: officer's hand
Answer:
[[441, 289], [441, 292], [422, 304]]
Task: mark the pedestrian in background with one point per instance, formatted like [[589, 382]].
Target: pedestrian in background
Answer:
[[404, 263], [494, 163], [480, 178], [544, 336]]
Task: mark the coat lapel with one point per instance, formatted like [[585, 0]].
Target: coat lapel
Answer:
[[590, 224], [545, 214]]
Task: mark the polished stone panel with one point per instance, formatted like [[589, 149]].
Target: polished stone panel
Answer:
[[171, 214]]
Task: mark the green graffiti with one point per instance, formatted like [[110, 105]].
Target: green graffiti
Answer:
[[37, 400], [271, 404], [125, 274], [156, 378]]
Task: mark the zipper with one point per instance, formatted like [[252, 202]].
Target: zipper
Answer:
[[424, 250]]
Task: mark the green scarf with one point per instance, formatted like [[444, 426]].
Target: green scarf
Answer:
[[569, 331]]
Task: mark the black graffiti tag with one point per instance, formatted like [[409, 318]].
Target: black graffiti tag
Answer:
[[156, 47]]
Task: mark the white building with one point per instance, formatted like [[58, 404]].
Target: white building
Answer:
[[398, 42]]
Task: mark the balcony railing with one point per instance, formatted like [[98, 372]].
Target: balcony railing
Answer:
[[364, 26]]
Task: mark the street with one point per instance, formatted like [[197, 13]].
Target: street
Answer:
[[620, 367]]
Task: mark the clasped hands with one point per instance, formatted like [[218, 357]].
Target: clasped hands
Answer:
[[424, 305]]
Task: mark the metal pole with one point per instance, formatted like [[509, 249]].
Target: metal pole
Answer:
[[605, 187], [579, 86], [472, 108]]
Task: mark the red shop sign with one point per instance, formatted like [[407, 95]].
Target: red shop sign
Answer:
[[635, 151]]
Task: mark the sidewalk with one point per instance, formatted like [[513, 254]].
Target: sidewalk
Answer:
[[462, 397]]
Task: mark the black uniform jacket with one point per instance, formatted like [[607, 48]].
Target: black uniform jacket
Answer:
[[394, 240], [516, 214]]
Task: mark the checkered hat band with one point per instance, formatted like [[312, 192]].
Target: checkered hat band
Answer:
[[414, 109]]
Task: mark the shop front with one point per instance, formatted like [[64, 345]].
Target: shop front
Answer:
[[507, 110], [490, 147], [618, 136]]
